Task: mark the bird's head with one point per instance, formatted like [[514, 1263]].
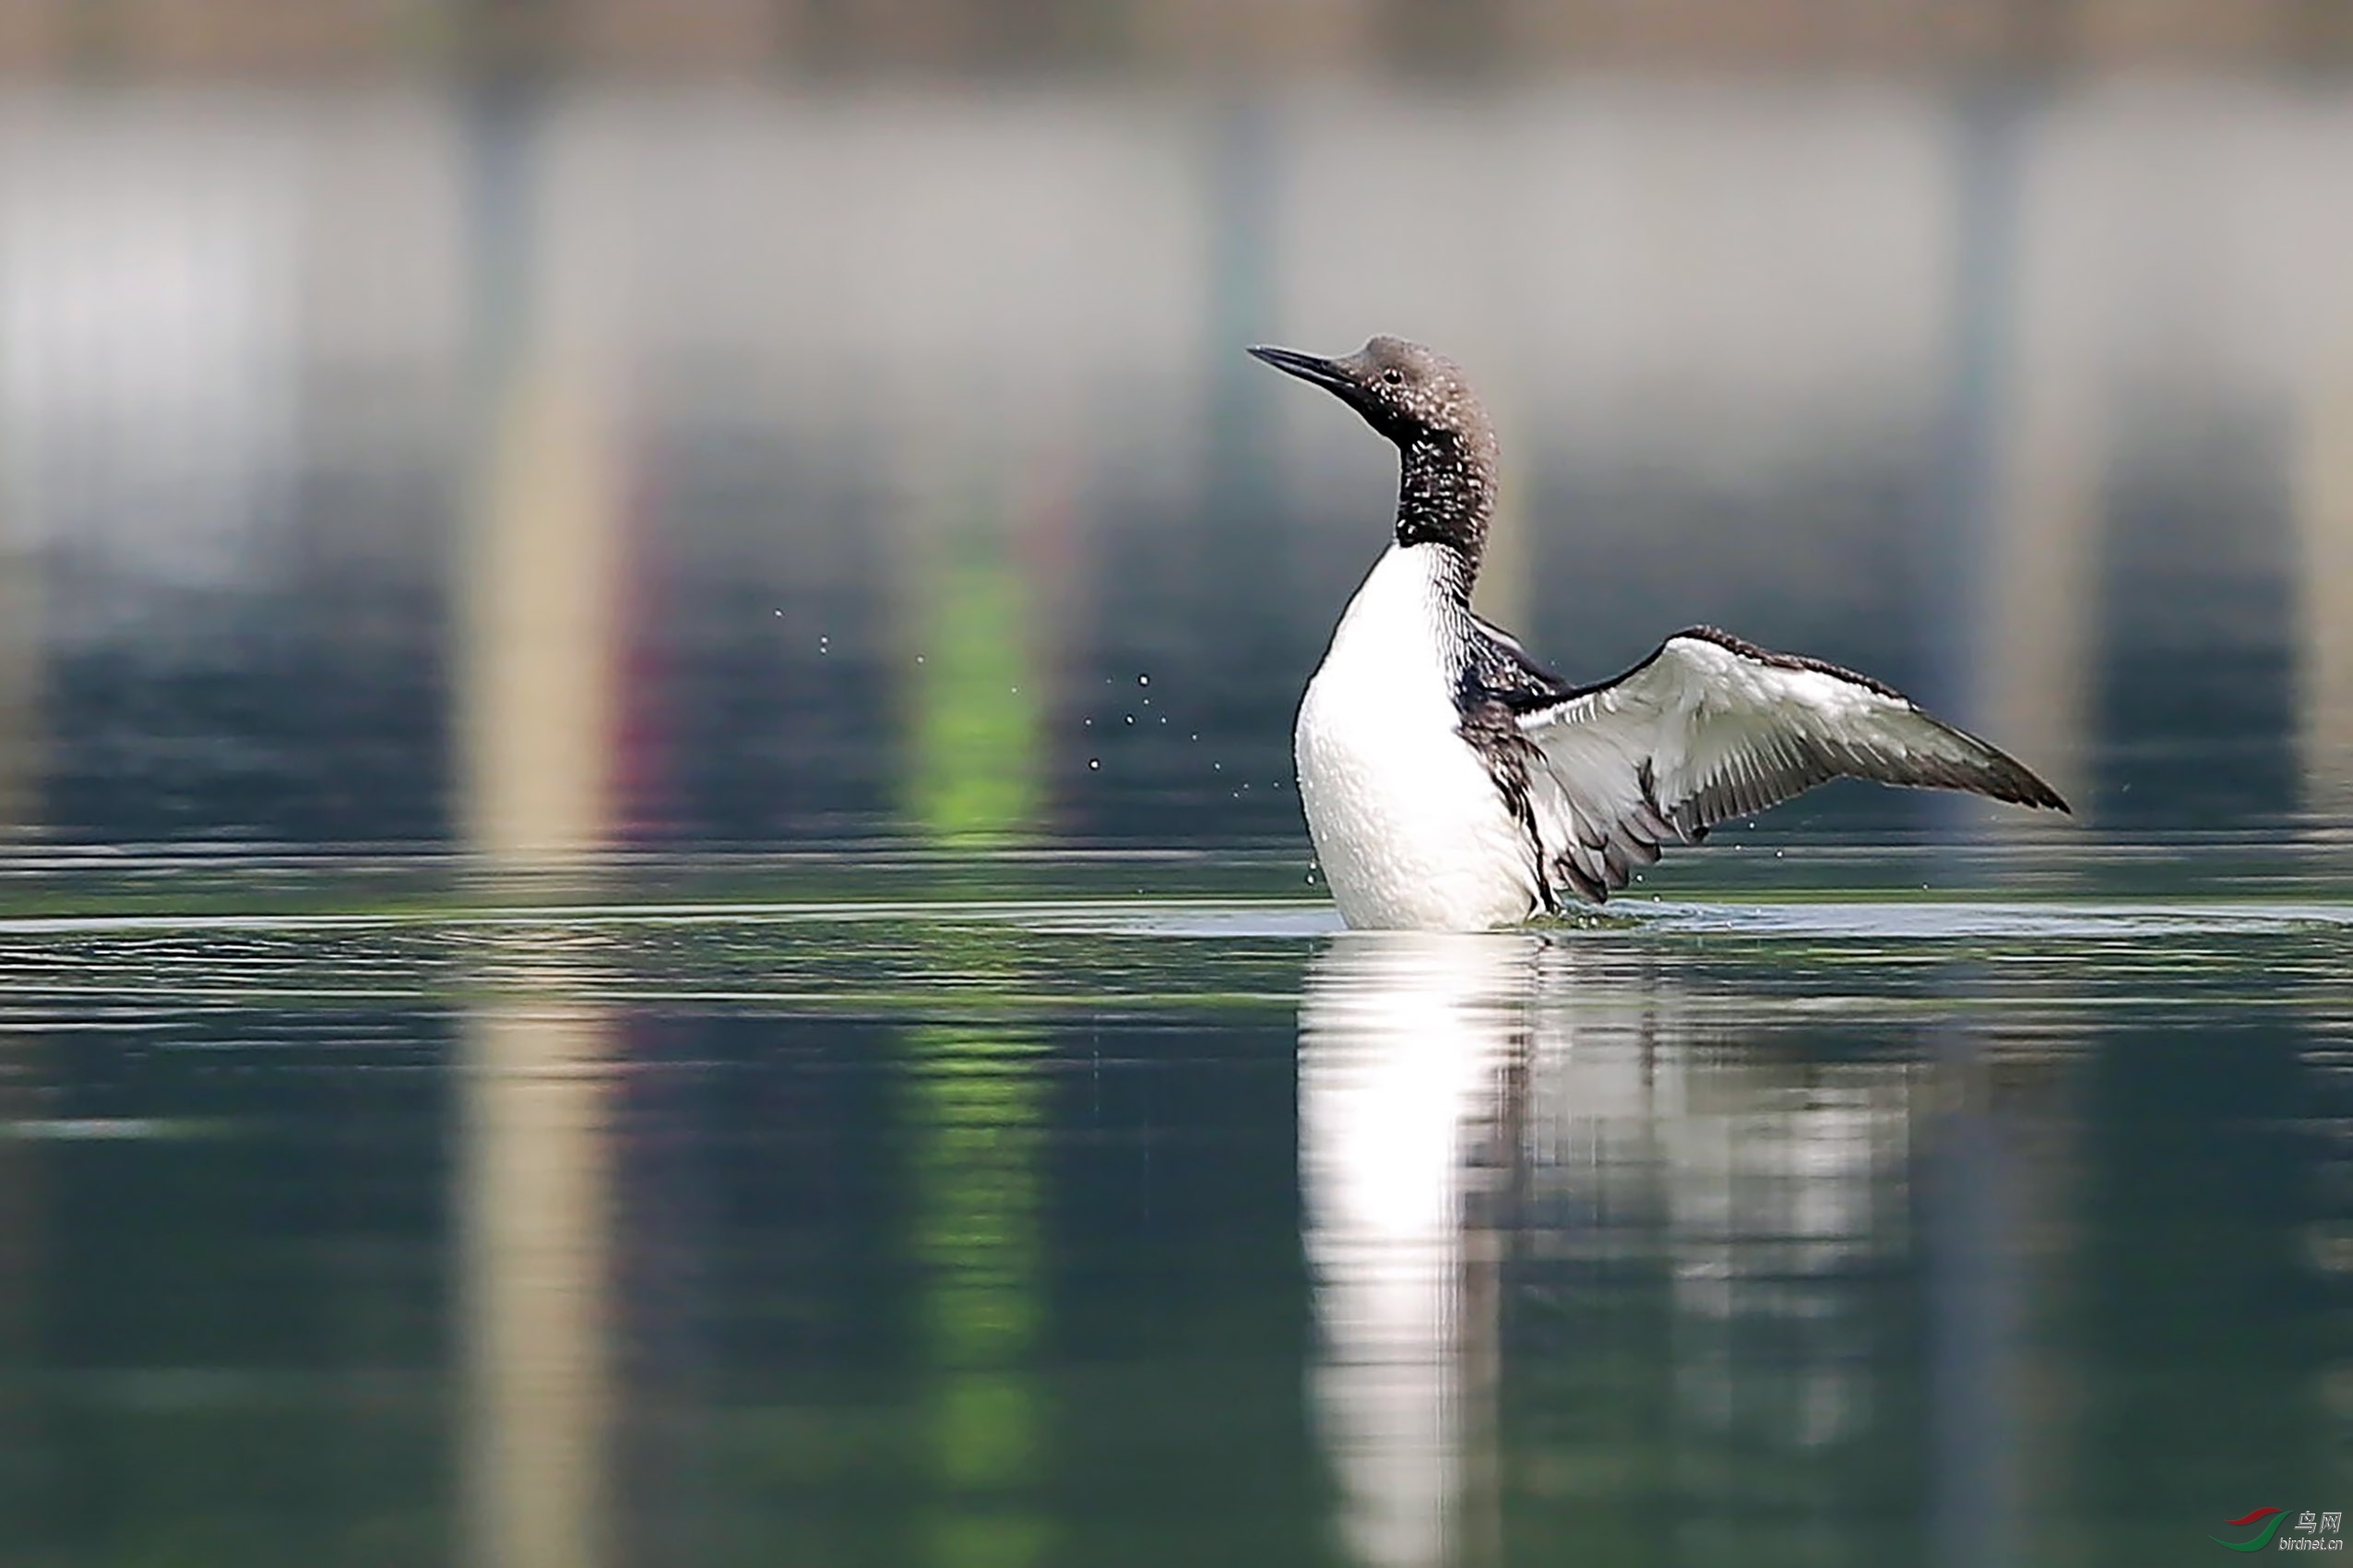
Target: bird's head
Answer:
[[1405, 391], [1420, 400]]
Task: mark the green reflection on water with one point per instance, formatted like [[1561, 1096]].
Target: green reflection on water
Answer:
[[979, 1114], [987, 1431]]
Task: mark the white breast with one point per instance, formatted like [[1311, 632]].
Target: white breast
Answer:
[[1407, 825]]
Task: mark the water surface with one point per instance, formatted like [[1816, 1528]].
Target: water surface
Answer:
[[386, 1212]]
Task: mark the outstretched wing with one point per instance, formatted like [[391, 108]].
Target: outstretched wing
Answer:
[[1711, 727]]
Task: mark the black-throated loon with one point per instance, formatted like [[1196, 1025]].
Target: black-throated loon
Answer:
[[1452, 783]]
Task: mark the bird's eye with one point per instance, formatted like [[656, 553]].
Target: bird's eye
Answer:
[[1394, 377]]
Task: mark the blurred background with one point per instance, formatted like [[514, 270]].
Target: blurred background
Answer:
[[545, 425]]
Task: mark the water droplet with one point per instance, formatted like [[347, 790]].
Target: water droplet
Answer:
[[1144, 680], [1093, 763]]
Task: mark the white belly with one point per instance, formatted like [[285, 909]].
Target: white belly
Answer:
[[1409, 826]]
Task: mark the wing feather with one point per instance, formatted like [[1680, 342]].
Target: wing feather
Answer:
[[1710, 728]]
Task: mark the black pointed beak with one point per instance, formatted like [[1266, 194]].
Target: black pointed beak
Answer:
[[1327, 373]]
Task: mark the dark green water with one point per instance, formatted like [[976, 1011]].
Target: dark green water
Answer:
[[991, 1211]]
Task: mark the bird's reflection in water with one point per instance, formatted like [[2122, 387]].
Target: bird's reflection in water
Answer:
[[1668, 1162], [1406, 1041]]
